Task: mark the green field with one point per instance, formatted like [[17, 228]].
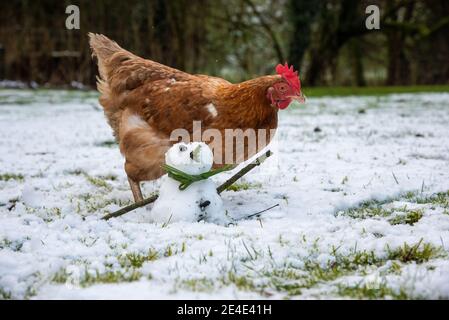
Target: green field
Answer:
[[47, 94], [371, 91]]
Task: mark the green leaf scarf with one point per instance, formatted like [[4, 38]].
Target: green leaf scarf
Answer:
[[187, 179]]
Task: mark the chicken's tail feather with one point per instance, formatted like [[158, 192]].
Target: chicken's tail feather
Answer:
[[109, 58], [103, 49]]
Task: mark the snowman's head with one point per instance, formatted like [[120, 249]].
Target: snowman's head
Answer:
[[192, 158]]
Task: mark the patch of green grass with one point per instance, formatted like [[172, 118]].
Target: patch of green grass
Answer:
[[370, 91], [89, 203], [76, 172], [136, 260], [107, 144], [198, 285], [317, 273], [411, 217], [364, 212], [88, 279], [111, 177], [168, 251], [61, 276], [47, 96], [292, 280], [97, 181], [15, 246], [244, 186], [368, 209], [11, 176], [374, 208], [49, 214], [241, 282], [439, 199], [410, 195], [5, 295], [371, 291], [333, 189], [418, 253], [342, 265], [288, 281], [111, 277]]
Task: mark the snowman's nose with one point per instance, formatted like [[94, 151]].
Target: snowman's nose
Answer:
[[191, 155]]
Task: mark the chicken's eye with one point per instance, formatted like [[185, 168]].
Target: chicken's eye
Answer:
[[182, 148], [282, 88]]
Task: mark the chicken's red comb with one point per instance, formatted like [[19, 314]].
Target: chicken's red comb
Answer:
[[289, 75]]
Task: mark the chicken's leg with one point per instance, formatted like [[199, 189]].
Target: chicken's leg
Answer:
[[144, 151], [135, 188]]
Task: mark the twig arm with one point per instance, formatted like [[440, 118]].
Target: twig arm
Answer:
[[130, 207], [220, 189], [244, 171]]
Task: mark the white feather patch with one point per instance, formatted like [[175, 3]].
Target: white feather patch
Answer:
[[134, 121], [212, 110]]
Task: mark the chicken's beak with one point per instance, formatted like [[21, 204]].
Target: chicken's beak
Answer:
[[301, 98]]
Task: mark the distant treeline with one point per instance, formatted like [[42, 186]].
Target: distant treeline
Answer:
[[236, 39]]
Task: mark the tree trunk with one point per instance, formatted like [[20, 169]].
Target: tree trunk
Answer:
[[357, 66], [301, 15], [398, 62]]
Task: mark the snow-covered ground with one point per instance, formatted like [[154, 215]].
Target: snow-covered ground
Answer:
[[362, 184]]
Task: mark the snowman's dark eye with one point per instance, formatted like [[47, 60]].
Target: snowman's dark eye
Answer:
[[182, 148]]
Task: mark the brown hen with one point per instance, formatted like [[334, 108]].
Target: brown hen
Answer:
[[147, 103]]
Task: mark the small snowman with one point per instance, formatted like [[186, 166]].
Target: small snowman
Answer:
[[195, 201]]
